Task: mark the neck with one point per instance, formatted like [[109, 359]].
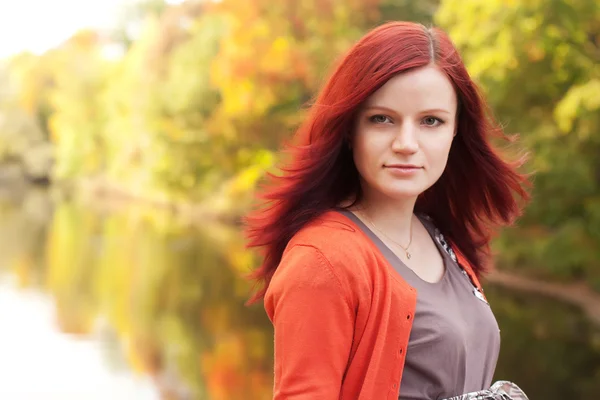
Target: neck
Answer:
[[391, 216]]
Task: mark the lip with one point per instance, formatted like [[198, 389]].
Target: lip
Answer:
[[402, 170], [402, 166]]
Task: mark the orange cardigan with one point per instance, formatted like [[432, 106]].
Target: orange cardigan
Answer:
[[342, 315]]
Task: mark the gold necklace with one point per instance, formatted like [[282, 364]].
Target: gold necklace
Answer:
[[408, 255]]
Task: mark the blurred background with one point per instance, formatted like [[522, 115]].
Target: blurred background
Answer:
[[132, 137]]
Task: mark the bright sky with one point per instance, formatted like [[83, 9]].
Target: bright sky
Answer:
[[37, 25]]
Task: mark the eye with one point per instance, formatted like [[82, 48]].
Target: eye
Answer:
[[432, 121], [380, 119]]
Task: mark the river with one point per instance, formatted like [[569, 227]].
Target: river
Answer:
[[99, 301]]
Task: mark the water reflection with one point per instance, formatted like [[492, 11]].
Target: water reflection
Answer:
[[63, 367], [169, 290], [169, 298]]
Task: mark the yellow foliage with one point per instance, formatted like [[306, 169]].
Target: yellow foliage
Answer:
[[578, 100]]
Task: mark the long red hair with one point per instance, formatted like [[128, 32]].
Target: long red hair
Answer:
[[477, 192]]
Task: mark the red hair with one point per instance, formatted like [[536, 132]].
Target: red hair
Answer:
[[476, 193]]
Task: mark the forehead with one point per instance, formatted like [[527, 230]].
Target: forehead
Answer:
[[415, 90]]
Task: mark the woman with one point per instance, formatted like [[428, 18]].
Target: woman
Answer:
[[375, 236]]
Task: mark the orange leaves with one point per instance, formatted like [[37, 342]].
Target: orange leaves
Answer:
[[272, 45], [252, 61]]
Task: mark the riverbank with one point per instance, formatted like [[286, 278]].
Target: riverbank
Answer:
[[578, 294], [111, 196]]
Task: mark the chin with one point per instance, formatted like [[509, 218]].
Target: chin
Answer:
[[403, 193]]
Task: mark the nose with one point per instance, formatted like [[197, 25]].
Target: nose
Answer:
[[405, 140]]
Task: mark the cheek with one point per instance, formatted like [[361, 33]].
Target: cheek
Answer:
[[361, 158], [438, 152], [365, 151]]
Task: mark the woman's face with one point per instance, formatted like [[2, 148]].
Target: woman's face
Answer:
[[403, 134]]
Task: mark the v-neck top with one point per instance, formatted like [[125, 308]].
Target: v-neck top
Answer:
[[455, 340]]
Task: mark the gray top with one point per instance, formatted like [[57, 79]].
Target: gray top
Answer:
[[455, 340]]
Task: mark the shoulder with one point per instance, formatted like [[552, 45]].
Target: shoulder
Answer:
[[336, 237], [333, 247]]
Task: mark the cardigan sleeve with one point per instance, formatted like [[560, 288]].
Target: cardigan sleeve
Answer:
[[314, 325]]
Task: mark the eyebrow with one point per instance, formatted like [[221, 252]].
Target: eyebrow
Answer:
[[431, 110]]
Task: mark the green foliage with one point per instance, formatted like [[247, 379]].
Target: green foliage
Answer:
[[159, 130], [23, 112], [78, 120], [539, 63]]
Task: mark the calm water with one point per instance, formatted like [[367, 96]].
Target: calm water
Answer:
[[131, 303]]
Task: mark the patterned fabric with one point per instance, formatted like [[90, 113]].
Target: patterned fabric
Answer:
[[439, 237], [442, 241], [501, 390]]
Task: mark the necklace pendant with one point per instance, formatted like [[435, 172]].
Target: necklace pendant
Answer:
[[408, 255]]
